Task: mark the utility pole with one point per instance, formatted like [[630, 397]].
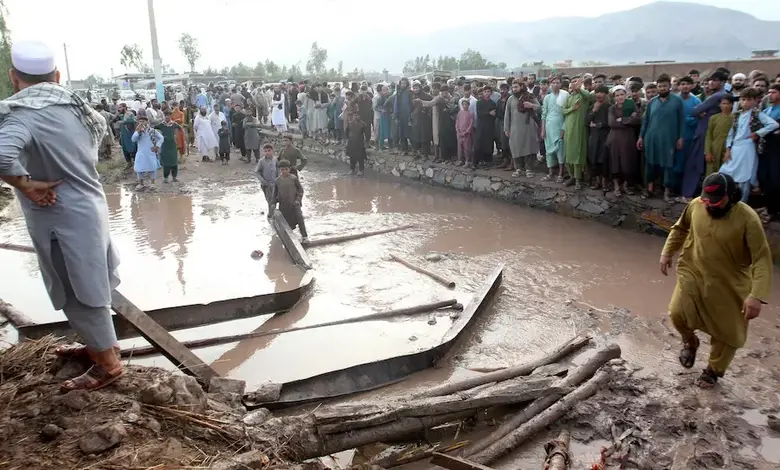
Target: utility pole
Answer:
[[67, 65], [156, 62]]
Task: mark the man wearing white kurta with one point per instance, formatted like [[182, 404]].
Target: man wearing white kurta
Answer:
[[204, 136], [49, 139]]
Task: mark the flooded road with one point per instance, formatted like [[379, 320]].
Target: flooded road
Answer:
[[195, 247]]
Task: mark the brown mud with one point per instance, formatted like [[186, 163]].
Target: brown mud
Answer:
[[192, 241]]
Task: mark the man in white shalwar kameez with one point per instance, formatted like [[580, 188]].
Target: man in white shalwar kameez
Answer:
[[216, 117], [53, 168], [205, 137]]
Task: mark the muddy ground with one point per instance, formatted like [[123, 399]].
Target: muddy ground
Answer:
[[674, 425]]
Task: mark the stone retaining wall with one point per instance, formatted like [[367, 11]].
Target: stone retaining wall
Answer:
[[651, 216]]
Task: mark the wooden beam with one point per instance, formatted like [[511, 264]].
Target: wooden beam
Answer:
[[168, 346], [354, 236], [290, 241], [455, 463]]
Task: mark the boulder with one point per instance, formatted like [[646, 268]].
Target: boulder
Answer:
[[480, 184], [51, 431], [256, 417], [266, 393], [224, 384], [158, 393], [187, 393], [75, 399], [102, 438], [248, 460]]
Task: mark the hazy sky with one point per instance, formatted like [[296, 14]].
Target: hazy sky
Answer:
[[248, 31]]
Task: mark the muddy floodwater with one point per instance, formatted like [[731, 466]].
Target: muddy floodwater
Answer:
[[195, 247]]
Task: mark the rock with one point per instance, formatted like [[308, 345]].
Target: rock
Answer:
[[248, 460], [102, 438], [429, 173], [439, 177], [433, 257], [395, 172], [158, 393], [256, 417], [402, 166], [773, 422], [51, 431], [172, 450], [225, 402], [574, 201], [187, 393], [266, 393], [481, 184], [432, 321], [591, 208], [411, 174], [412, 338], [224, 384], [459, 181], [131, 417], [495, 186], [151, 424], [75, 400], [71, 369]]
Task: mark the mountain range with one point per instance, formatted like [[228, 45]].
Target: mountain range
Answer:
[[657, 31]]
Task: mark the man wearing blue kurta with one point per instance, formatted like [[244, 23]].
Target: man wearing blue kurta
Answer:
[[48, 151], [694, 168], [686, 157], [662, 136]]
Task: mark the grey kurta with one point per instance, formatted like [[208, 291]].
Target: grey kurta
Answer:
[[523, 129], [52, 144]]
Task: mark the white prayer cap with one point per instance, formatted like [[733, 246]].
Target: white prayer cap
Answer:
[[228, 100], [739, 76], [32, 58]]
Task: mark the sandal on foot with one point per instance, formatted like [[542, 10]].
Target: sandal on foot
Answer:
[[628, 191], [95, 378], [645, 195], [707, 379], [618, 193], [688, 354], [547, 178]]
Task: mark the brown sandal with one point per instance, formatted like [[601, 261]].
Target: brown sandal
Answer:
[[707, 379], [95, 378], [688, 353]]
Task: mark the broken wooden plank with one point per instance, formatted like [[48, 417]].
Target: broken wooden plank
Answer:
[[455, 463], [180, 356], [441, 280], [14, 316], [290, 241], [354, 236]]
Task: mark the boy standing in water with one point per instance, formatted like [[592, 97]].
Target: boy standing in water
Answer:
[[289, 194], [267, 171]]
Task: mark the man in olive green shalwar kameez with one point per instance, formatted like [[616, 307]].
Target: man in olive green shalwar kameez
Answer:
[[575, 140], [169, 158], [724, 274]]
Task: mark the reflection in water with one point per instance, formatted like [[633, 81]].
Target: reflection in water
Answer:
[[167, 243]]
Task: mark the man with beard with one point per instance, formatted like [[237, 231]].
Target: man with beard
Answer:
[[738, 83], [724, 274], [576, 134], [702, 112], [402, 113], [501, 138], [366, 110], [661, 135], [552, 130], [684, 158], [532, 86], [422, 127], [522, 128], [486, 128]]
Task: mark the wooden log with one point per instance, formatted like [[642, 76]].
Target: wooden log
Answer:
[[360, 416], [446, 282], [575, 378], [15, 247], [290, 241], [558, 457], [455, 463], [559, 353], [354, 236], [537, 424], [166, 344], [13, 316], [202, 343], [403, 428]]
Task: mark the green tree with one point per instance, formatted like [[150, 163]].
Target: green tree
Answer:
[[240, 70], [473, 60], [501, 65], [93, 80], [296, 73], [188, 46], [131, 56], [259, 70], [317, 57], [446, 62], [210, 71], [6, 88], [271, 68], [340, 69], [167, 68]]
